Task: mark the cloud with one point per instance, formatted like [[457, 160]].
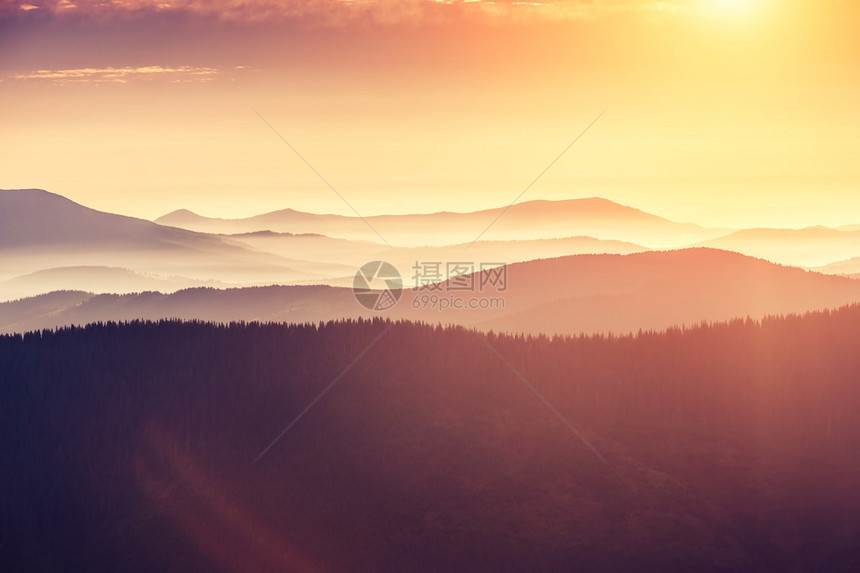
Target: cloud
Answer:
[[175, 74], [344, 11], [341, 12]]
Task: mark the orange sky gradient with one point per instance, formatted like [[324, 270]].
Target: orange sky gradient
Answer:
[[723, 112]]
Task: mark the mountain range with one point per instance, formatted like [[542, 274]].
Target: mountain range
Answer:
[[810, 247], [41, 231], [568, 295], [594, 217], [49, 243]]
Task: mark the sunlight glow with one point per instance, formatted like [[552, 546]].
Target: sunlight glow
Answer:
[[729, 7]]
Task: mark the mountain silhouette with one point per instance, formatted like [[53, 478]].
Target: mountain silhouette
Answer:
[[50, 243], [567, 295], [594, 217], [655, 290], [44, 233], [809, 247]]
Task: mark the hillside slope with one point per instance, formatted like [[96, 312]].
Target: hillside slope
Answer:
[[567, 295], [728, 448]]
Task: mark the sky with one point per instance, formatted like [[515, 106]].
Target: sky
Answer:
[[729, 113]]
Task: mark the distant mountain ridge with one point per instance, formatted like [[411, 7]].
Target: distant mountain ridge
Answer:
[[48, 242], [596, 217], [808, 247], [567, 295], [35, 219], [106, 279], [65, 222]]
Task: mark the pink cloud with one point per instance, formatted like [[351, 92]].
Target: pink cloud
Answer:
[[345, 11], [121, 75]]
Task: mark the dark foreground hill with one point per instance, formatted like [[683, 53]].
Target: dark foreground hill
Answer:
[[727, 448]]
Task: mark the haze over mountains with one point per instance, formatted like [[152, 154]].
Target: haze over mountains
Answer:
[[656, 290], [48, 243], [809, 247], [349, 255], [849, 268], [567, 295], [41, 231], [595, 217]]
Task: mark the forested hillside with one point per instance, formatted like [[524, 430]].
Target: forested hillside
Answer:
[[729, 447]]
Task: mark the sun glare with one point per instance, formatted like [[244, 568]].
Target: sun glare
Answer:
[[729, 7]]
